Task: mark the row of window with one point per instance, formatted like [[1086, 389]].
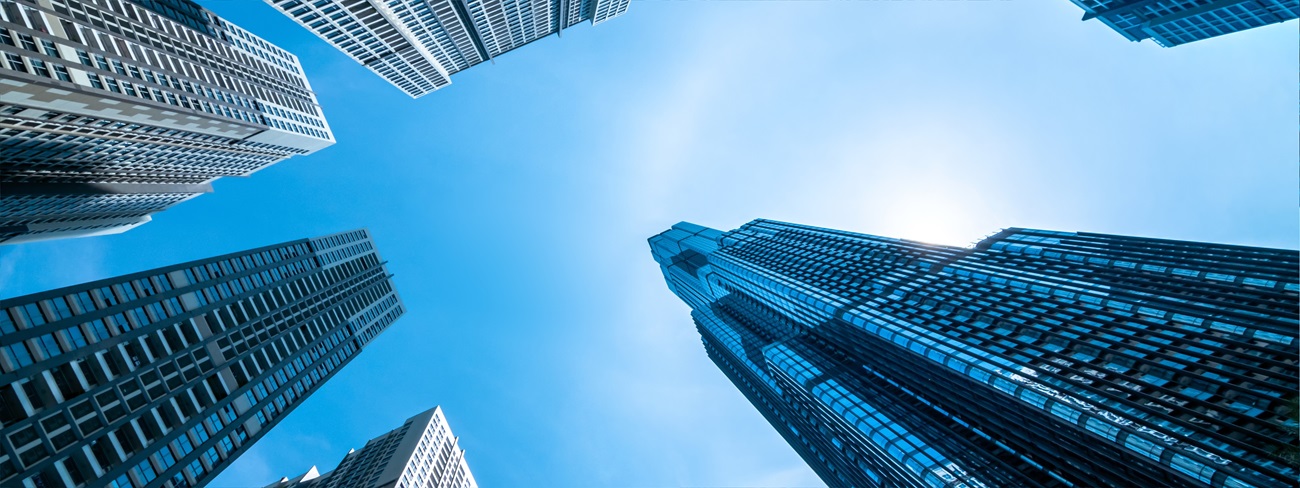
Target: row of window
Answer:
[[145, 471], [215, 75]]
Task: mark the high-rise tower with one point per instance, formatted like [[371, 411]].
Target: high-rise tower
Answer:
[[1034, 358], [162, 378], [1173, 22], [418, 44], [422, 453], [112, 110]]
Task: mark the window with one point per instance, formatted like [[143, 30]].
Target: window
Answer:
[[165, 455], [83, 299], [39, 68], [32, 313], [6, 323], [128, 291], [145, 471], [48, 345], [98, 330], [16, 62], [106, 293], [76, 337], [61, 308], [183, 445], [26, 42], [20, 354]]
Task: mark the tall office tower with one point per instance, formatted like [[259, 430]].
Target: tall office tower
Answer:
[[1173, 22], [162, 378], [418, 44], [422, 453], [1034, 358], [112, 110]]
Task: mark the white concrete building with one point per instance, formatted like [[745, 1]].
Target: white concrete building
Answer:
[[111, 110], [418, 44], [422, 453]]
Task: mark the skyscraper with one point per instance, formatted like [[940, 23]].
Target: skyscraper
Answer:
[[418, 44], [422, 453], [112, 110], [162, 378], [1034, 358], [1173, 22]]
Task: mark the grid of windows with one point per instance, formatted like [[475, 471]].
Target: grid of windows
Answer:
[[1033, 358], [170, 374], [422, 453], [418, 44], [162, 91], [1173, 22]]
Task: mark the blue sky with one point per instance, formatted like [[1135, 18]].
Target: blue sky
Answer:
[[513, 206]]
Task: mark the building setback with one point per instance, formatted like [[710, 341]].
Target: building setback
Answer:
[[162, 378], [112, 110], [1173, 22], [422, 453], [418, 44], [1034, 358]]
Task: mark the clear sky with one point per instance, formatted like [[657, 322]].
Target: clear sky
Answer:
[[514, 205]]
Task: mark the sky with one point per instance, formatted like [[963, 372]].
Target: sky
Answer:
[[514, 205]]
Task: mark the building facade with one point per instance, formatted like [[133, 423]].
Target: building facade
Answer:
[[422, 453], [1034, 358], [112, 110], [162, 378], [418, 44], [1173, 22]]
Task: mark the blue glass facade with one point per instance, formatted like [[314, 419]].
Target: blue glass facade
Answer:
[[162, 378], [1173, 22], [1035, 358]]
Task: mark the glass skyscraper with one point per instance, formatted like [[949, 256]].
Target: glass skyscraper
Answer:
[[112, 110], [418, 44], [1033, 358], [422, 453], [1173, 22], [162, 378]]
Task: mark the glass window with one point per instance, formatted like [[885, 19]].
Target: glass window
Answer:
[[32, 313], [165, 455], [61, 308], [99, 330], [16, 62], [26, 42], [76, 337], [145, 471], [20, 354], [120, 321], [127, 291], [83, 299], [48, 345], [6, 323]]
